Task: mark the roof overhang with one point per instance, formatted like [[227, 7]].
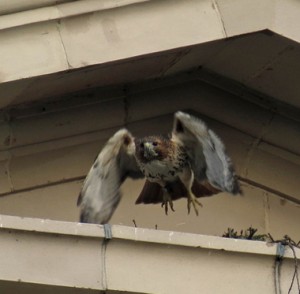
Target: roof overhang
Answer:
[[73, 45]]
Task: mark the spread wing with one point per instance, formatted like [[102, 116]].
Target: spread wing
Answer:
[[100, 194], [206, 152]]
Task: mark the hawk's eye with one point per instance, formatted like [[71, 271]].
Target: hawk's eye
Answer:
[[154, 143]]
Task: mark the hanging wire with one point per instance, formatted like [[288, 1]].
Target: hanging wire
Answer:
[[296, 270], [286, 241], [278, 261]]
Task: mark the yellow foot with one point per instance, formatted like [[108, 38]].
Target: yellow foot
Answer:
[[192, 199], [166, 202]]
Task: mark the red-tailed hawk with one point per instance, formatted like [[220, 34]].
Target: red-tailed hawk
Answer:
[[191, 163]]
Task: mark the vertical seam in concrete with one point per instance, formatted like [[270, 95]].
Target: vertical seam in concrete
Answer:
[[255, 143], [266, 212], [216, 7], [8, 163], [275, 8], [63, 44], [7, 168]]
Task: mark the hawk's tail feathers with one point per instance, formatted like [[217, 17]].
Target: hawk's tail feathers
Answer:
[[151, 193]]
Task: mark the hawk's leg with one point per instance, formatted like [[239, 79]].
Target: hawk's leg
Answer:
[[167, 200], [187, 178]]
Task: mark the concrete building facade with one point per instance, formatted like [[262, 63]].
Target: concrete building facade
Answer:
[[74, 72]]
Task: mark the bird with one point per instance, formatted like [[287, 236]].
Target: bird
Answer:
[[189, 163]]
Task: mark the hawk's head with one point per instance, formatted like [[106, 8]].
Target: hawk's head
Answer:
[[152, 148]]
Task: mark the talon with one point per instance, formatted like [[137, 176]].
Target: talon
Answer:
[[171, 205], [192, 199], [166, 202]]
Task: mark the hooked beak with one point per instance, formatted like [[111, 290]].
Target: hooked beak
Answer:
[[149, 150]]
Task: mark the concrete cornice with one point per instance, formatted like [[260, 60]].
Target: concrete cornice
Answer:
[[14, 6], [33, 12], [236, 17], [52, 33]]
